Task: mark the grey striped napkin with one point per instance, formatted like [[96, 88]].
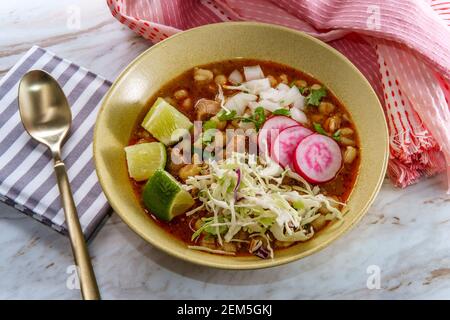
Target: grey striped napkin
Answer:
[[27, 180]]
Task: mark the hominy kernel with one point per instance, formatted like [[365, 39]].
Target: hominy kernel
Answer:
[[180, 94], [284, 78], [220, 79], [350, 154], [187, 103]]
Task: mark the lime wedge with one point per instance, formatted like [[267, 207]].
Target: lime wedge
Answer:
[[144, 159], [163, 120], [164, 196]]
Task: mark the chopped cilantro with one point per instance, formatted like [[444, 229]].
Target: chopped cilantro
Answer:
[[210, 124], [337, 135], [319, 129], [314, 97], [282, 112], [301, 89], [260, 117], [225, 116]]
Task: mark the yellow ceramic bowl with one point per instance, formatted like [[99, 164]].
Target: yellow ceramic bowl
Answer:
[[129, 94]]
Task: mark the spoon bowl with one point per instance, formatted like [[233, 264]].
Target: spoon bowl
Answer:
[[44, 108]]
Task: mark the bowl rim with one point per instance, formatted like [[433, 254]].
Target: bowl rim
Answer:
[[257, 264]]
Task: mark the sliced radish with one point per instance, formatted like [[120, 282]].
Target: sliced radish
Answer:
[[317, 158], [286, 142], [270, 130], [258, 85]]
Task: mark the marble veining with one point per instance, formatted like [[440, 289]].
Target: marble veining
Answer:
[[405, 234]]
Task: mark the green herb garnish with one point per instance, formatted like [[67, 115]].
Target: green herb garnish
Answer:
[[319, 129], [282, 112], [314, 97], [225, 116], [337, 135], [210, 124], [301, 89], [259, 117]]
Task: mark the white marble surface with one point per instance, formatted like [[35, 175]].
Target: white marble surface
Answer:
[[406, 232]]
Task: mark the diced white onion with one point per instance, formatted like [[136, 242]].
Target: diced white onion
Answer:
[[298, 115], [269, 105], [253, 73], [253, 105], [272, 95], [283, 87], [253, 86], [235, 77], [258, 86], [299, 102], [291, 96], [239, 102]]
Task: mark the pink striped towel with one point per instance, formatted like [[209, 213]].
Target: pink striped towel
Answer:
[[401, 46]]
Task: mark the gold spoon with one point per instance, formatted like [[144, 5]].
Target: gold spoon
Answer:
[[46, 116]]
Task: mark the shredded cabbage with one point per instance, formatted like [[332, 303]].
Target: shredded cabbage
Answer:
[[202, 248], [247, 193]]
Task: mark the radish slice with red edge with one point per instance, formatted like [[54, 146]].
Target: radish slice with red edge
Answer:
[[286, 142], [317, 158], [270, 130]]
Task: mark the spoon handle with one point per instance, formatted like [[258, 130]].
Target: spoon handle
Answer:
[[88, 284]]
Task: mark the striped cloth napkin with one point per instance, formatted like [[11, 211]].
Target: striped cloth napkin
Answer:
[[27, 179], [401, 46]]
